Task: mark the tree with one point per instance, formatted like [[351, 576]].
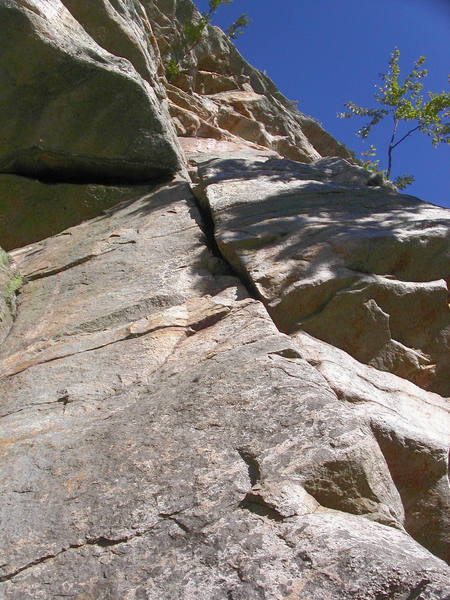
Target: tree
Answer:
[[194, 30], [404, 102]]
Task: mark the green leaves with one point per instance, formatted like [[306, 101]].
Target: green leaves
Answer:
[[404, 101], [375, 114], [214, 4], [172, 69], [237, 28], [402, 181], [193, 31]]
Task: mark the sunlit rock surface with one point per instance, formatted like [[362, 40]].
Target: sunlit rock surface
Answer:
[[218, 95], [359, 266], [171, 425]]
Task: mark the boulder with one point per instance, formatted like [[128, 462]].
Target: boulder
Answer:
[[412, 427], [123, 29], [94, 117], [357, 265]]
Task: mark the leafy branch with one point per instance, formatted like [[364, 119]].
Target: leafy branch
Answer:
[[404, 102]]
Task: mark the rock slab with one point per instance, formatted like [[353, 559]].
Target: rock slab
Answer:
[[167, 441], [359, 266]]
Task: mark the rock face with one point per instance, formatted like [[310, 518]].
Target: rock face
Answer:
[[171, 425], [396, 412], [10, 282], [218, 95], [360, 267]]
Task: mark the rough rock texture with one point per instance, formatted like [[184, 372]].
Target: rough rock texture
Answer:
[[396, 411], [162, 437], [71, 109], [143, 437], [358, 266], [219, 95]]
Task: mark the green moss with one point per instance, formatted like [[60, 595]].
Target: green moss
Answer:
[[9, 292], [4, 258]]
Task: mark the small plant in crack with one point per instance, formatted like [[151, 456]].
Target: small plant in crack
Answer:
[[194, 31]]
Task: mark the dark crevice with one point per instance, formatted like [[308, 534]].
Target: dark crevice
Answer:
[[254, 472], [253, 502], [87, 171], [101, 541], [418, 589], [104, 542], [38, 561], [171, 517], [257, 505], [206, 225], [289, 353]]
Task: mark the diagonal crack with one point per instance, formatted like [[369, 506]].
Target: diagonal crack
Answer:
[[101, 541], [203, 322], [66, 267]]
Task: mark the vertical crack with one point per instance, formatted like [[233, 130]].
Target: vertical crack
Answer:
[[254, 472]]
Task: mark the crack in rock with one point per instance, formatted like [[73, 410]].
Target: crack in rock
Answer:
[[254, 471]]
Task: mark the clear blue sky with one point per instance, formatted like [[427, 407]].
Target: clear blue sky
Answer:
[[326, 52]]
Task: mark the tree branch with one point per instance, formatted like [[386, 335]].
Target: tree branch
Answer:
[[406, 135]]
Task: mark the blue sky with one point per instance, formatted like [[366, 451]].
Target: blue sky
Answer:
[[324, 53]]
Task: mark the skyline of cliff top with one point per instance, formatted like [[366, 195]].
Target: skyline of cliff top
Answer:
[[299, 48]]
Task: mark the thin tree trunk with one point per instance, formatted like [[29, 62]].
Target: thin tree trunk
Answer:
[[391, 147]]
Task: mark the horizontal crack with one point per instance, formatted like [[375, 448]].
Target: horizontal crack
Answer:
[[190, 329], [122, 339]]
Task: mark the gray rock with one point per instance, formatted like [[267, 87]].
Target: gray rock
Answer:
[[94, 117], [412, 427], [161, 438], [123, 29], [361, 267]]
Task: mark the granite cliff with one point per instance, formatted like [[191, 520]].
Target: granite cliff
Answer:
[[224, 352]]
